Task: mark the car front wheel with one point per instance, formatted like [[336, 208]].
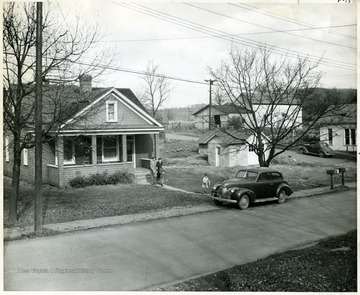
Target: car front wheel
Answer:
[[301, 151], [321, 154], [282, 197], [244, 202], [217, 202]]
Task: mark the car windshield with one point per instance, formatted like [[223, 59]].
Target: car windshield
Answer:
[[323, 144], [245, 174]]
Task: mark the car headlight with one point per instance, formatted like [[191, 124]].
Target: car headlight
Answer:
[[216, 186]]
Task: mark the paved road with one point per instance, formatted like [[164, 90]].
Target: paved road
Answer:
[[141, 256]]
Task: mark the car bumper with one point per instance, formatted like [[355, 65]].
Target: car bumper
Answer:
[[214, 196]]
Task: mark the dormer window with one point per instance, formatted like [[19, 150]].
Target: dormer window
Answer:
[[111, 111]]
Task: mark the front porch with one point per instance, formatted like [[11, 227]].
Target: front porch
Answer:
[[84, 155]]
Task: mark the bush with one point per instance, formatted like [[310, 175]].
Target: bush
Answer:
[[101, 179]]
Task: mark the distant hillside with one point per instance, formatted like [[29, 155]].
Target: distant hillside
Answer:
[[179, 114]]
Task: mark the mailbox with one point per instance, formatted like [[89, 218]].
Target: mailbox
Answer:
[[331, 172]]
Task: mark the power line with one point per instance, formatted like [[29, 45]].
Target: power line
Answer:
[[231, 38], [283, 18], [206, 37], [142, 73], [272, 29]]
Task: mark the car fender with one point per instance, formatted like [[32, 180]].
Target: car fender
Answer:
[[328, 151], [304, 148], [239, 192], [286, 187]]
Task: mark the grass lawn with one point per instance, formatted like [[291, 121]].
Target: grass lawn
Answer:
[[96, 201]]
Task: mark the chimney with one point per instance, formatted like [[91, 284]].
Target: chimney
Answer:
[[85, 83]]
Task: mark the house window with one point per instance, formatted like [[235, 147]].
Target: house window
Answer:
[[353, 136], [25, 157], [69, 151], [77, 150], [350, 137], [251, 148], [109, 148], [217, 120], [330, 134], [7, 157], [129, 147], [111, 111]]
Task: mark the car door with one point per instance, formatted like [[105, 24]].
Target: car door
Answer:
[[312, 147], [277, 179], [264, 186]]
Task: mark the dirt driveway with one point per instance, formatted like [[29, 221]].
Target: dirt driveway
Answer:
[[315, 159]]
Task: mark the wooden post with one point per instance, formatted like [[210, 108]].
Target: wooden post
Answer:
[[38, 220]]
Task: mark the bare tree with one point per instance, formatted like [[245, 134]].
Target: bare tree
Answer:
[[157, 89], [63, 62], [219, 97], [270, 92]]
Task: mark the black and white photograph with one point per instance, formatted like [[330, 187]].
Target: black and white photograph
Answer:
[[201, 146]]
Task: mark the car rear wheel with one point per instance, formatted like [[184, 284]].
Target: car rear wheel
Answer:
[[282, 197], [244, 202], [301, 151], [321, 154]]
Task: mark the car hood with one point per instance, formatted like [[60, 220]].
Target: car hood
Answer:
[[234, 181]]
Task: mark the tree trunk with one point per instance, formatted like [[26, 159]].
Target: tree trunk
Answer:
[[15, 182]]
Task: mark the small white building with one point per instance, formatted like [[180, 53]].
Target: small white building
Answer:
[[224, 116], [229, 149], [339, 129]]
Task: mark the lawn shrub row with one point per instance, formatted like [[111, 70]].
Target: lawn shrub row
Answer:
[[101, 179]]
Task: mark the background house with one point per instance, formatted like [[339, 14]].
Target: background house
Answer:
[[339, 129], [106, 130], [226, 116], [229, 149], [221, 116]]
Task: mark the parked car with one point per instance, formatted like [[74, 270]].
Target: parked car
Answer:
[[250, 186], [319, 148]]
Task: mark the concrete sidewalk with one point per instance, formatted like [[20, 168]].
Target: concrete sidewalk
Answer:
[[18, 232]]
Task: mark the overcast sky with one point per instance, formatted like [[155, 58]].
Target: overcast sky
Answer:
[[184, 39]]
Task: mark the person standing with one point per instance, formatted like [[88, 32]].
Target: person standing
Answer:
[[160, 172], [205, 184], [153, 170]]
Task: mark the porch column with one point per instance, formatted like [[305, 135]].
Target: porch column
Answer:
[[93, 149], [60, 161], [156, 146], [124, 148]]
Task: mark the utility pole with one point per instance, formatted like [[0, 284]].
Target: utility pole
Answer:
[[211, 82], [38, 220]]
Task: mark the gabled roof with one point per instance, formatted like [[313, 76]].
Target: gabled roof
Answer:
[[228, 137], [225, 109], [126, 96], [62, 103]]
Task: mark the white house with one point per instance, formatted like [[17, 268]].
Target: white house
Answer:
[[266, 113], [339, 129]]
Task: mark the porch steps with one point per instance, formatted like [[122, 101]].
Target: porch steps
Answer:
[[142, 177]]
